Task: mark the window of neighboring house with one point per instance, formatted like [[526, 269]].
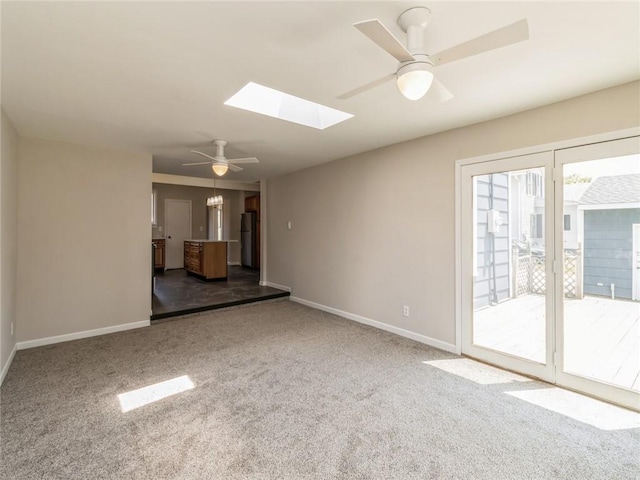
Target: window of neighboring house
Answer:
[[536, 225], [154, 203], [535, 185], [567, 223]]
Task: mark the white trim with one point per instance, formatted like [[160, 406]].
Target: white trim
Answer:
[[234, 263], [264, 219], [448, 347], [275, 285], [457, 259], [203, 182], [609, 206], [5, 369], [635, 268], [84, 334]]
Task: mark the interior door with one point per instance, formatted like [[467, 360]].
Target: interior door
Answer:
[[177, 230], [507, 260], [598, 314]]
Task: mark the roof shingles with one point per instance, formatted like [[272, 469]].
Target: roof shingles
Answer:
[[614, 189]]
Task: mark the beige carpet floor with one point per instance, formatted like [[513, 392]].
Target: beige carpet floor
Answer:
[[282, 391]]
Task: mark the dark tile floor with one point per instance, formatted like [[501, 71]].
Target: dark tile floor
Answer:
[[177, 293]]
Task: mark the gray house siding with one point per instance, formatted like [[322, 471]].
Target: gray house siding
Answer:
[[608, 237], [491, 284]]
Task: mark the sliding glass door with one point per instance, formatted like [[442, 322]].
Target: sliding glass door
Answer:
[[550, 266]]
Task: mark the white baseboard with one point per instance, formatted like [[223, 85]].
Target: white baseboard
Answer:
[[234, 263], [448, 347], [276, 285], [5, 368], [77, 335]]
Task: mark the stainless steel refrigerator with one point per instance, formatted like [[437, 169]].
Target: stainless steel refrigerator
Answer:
[[248, 240]]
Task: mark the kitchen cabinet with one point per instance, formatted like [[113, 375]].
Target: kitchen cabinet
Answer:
[[206, 258], [158, 254], [252, 204]]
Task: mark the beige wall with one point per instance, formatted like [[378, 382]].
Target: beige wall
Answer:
[[234, 206], [84, 255], [375, 231], [8, 239]]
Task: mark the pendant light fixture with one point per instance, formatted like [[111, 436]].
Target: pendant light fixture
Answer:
[[215, 200]]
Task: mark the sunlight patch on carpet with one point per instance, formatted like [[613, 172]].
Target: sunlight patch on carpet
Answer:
[[476, 372], [581, 408], [152, 393]]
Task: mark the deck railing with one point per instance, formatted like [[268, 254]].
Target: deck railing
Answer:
[[528, 273]]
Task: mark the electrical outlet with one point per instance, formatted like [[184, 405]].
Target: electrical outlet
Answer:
[[405, 311], [12, 329], [289, 225]]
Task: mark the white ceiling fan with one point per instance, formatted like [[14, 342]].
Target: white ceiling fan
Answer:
[[220, 164], [415, 70]]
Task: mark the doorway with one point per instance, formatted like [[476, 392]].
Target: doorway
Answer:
[[548, 258], [177, 230]]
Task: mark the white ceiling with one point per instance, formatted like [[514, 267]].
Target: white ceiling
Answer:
[[153, 76]]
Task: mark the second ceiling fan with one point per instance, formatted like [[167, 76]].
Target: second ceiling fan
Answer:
[[415, 71], [220, 164]]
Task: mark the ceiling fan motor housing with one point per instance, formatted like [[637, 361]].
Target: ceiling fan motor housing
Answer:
[[413, 22], [220, 150]]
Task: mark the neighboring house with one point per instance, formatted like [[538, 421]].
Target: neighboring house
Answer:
[[611, 211], [493, 243], [572, 221], [512, 197], [526, 191], [603, 217]]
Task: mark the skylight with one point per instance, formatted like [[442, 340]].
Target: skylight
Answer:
[[273, 103]]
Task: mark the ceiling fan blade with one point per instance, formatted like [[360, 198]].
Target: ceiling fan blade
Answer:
[[380, 35], [438, 93], [203, 154], [235, 168], [199, 163], [514, 33], [366, 87], [243, 160]]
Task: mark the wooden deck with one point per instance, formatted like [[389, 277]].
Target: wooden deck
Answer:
[[602, 336]]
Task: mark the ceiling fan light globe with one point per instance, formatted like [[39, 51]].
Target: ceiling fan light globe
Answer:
[[414, 84], [219, 169]]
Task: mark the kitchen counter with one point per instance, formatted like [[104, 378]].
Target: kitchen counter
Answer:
[[206, 259], [209, 241]]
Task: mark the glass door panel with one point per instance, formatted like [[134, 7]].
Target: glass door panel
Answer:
[[509, 308], [600, 252], [509, 280], [601, 313]]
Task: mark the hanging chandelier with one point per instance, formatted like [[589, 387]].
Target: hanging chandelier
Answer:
[[215, 200]]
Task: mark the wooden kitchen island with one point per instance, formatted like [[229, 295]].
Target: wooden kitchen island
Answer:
[[206, 259]]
